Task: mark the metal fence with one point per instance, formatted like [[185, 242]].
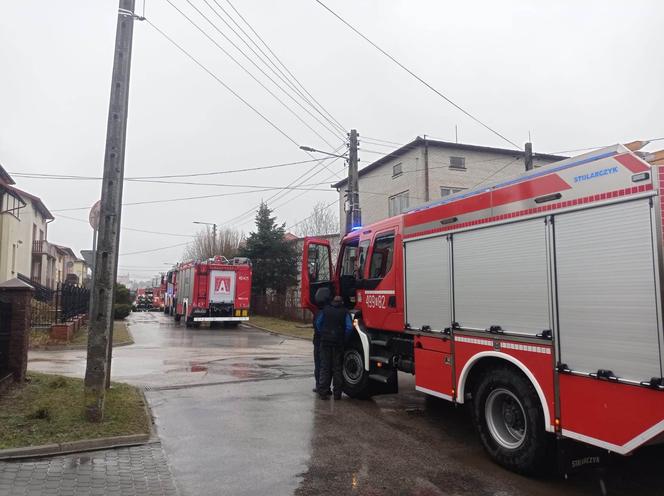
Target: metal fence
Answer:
[[280, 306], [64, 303]]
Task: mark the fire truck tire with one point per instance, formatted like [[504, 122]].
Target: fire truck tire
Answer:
[[508, 416], [231, 325], [177, 317], [356, 378]]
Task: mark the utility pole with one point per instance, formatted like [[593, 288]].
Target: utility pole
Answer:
[[354, 214], [214, 240], [100, 334], [528, 156]]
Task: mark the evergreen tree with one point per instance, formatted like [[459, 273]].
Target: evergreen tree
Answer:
[[274, 259]]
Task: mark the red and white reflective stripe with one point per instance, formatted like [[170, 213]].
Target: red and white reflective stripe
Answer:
[[482, 342], [504, 345], [434, 393], [525, 347], [624, 449]]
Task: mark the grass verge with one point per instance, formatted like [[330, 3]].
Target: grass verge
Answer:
[[41, 337], [50, 409], [281, 326]]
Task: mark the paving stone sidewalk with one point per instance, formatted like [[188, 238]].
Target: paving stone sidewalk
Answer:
[[139, 470]]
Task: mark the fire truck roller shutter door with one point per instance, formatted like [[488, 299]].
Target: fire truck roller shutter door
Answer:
[[607, 297], [500, 278], [428, 295]]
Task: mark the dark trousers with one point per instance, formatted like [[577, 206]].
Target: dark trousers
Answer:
[[331, 365], [317, 360]]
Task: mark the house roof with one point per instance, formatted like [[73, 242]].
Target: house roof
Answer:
[[417, 142], [66, 250], [5, 177], [36, 201]]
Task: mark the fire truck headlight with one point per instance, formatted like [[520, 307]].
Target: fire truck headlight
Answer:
[[245, 313]]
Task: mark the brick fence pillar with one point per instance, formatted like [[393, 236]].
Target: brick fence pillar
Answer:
[[18, 295]]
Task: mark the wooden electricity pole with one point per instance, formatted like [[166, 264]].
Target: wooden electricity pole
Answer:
[[100, 333], [354, 214]]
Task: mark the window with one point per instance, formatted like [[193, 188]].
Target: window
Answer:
[[12, 205], [449, 190], [364, 252], [458, 163], [348, 259], [381, 258], [319, 263], [397, 203], [397, 169]]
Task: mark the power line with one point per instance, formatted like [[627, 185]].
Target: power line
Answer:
[[278, 60], [216, 78], [250, 211], [131, 228], [153, 250], [307, 218], [364, 138], [187, 198], [196, 174], [448, 100], [267, 61], [214, 42]]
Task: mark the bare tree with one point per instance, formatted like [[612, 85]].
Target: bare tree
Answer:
[[227, 244], [322, 221]]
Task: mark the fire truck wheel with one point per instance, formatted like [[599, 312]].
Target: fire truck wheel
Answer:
[[177, 317], [356, 378], [509, 418]]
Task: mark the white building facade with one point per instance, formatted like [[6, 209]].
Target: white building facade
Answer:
[[426, 170]]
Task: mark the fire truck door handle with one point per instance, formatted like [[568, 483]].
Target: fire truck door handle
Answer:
[[392, 301]]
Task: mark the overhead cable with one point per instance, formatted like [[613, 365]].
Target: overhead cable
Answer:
[[437, 92]]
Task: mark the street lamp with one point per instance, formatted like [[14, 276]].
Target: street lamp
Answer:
[[313, 150], [214, 234]]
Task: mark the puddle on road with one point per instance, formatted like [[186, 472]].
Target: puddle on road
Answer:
[[266, 358]]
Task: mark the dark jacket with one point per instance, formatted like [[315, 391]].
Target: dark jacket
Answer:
[[333, 324]]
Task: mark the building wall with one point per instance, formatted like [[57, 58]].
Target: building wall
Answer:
[[16, 234], [482, 168]]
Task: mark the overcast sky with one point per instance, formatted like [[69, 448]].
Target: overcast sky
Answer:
[[572, 73]]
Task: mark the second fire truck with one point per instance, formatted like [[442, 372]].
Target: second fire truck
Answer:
[[215, 290], [536, 301]]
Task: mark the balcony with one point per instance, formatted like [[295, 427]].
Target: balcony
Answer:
[[43, 247]]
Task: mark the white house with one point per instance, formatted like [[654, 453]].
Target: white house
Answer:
[[426, 170]]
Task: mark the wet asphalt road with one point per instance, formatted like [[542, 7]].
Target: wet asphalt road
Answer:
[[236, 416]]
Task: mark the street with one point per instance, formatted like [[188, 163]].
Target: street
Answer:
[[236, 415]]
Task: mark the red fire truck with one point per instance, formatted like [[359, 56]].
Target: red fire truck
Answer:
[[215, 290], [536, 301]]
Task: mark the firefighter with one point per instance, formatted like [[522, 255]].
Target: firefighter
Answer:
[[335, 324], [322, 298]]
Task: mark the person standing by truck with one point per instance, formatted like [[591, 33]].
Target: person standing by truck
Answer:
[[333, 324]]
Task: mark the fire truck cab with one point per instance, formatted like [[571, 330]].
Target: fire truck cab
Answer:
[[537, 301]]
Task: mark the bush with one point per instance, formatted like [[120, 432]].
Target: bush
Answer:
[[121, 310]]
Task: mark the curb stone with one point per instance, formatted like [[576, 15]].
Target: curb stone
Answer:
[[64, 347], [87, 444], [74, 446]]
